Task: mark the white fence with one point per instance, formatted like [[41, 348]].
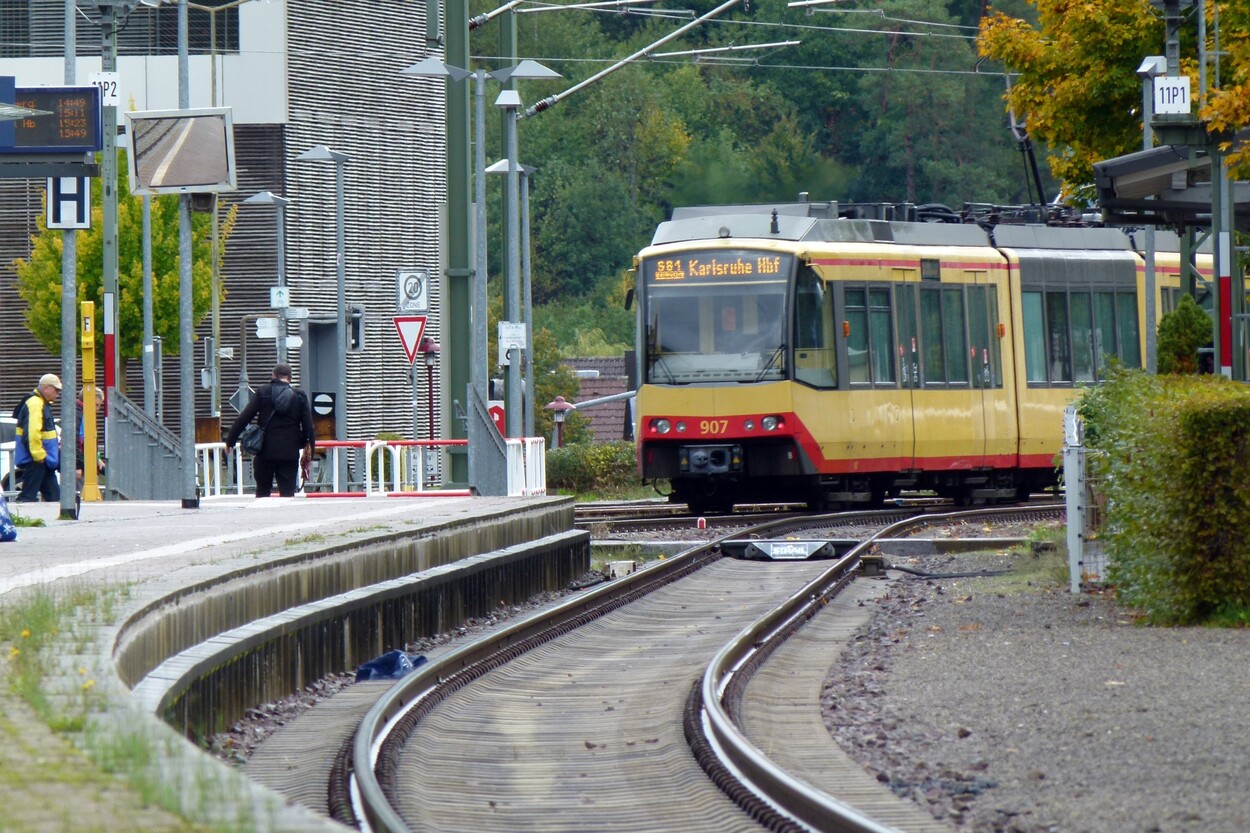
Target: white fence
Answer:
[[1087, 561], [394, 468]]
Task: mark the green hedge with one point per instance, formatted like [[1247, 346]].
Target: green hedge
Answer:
[[1176, 478], [588, 468]]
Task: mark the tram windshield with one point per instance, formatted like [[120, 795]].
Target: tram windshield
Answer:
[[716, 316]]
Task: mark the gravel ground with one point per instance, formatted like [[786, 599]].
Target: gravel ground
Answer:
[[1015, 706]]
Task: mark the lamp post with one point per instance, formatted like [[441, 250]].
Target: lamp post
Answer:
[[1151, 68], [527, 311], [321, 153], [432, 67], [429, 355], [279, 204], [559, 409]]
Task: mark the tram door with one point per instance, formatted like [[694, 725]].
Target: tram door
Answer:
[[906, 344]]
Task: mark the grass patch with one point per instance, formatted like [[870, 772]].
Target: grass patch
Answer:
[[21, 520], [600, 556], [37, 632], [1041, 562], [310, 538]]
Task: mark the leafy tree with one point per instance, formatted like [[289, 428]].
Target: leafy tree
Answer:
[[1181, 333], [1229, 107], [1078, 85], [39, 276], [595, 325]]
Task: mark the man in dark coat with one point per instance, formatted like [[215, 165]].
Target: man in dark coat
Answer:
[[286, 416]]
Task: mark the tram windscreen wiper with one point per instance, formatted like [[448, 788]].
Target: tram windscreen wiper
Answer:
[[658, 363], [781, 348]]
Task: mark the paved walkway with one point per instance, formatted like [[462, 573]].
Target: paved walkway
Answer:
[[47, 783]]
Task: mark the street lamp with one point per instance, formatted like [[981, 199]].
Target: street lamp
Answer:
[[321, 153], [526, 171], [1151, 68], [432, 67], [279, 204], [510, 102], [429, 354], [559, 409]]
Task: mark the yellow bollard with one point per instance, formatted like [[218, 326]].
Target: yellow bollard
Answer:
[[90, 473]]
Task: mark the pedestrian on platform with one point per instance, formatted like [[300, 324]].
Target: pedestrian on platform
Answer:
[[286, 417], [38, 451], [82, 436]]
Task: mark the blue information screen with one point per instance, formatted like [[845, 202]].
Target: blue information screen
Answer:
[[72, 125]]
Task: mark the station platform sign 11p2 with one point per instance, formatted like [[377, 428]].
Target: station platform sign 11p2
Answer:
[[73, 123]]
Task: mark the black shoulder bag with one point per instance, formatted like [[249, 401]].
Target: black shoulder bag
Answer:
[[252, 440]]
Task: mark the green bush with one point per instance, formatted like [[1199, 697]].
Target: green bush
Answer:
[[1181, 333], [587, 468], [1176, 477]]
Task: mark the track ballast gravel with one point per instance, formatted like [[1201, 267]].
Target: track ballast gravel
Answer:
[[1031, 709]]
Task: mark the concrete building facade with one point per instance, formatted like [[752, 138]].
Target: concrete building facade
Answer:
[[296, 73]]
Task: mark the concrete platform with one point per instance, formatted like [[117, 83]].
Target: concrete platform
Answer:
[[147, 554], [126, 541]]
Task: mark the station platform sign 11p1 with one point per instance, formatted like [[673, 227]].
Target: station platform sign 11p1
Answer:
[[70, 130]]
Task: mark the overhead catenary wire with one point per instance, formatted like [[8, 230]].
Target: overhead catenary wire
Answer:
[[552, 100]]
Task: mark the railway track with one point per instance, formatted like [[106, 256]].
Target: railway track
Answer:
[[573, 719]]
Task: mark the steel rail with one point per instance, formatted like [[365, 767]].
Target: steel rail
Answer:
[[773, 791], [466, 663], [372, 807], [431, 682]]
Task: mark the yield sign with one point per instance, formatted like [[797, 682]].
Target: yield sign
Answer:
[[410, 329]]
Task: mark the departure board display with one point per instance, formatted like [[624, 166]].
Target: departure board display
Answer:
[[717, 266], [72, 125]]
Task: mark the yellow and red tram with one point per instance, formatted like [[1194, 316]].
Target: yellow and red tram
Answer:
[[789, 354]]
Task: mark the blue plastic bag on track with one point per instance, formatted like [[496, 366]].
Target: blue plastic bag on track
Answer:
[[390, 666], [8, 530]]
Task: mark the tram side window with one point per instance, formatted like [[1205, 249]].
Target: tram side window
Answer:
[[815, 361], [1130, 331], [1060, 357], [868, 315], [1070, 336], [1034, 337], [985, 355], [1104, 330], [956, 338], [857, 338], [945, 339], [931, 336], [882, 336], [1082, 337]]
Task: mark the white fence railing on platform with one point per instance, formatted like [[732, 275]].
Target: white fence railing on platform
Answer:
[[527, 467], [373, 468]]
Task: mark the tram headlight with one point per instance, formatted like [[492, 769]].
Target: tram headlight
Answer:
[[681, 428], [661, 426], [749, 425], [771, 423]]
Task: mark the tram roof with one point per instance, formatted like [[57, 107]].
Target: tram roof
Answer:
[[807, 222]]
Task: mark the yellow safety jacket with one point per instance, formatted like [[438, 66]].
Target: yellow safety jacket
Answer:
[[36, 433]]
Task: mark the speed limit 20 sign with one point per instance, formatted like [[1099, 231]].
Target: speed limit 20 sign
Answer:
[[413, 286]]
